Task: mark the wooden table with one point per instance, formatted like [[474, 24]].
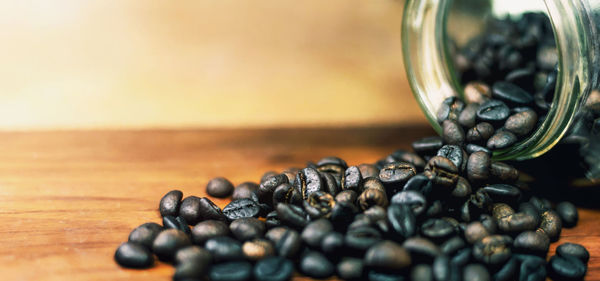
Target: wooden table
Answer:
[[68, 199]]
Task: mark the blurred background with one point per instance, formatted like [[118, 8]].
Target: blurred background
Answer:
[[71, 64]]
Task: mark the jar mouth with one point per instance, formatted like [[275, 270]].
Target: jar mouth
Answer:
[[433, 78]]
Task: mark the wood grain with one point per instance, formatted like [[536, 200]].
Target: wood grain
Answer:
[[68, 199]]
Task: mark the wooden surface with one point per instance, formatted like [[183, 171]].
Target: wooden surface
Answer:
[[68, 199]]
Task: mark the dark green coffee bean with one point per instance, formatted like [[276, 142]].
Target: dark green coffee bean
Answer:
[[332, 243], [387, 255], [442, 268], [168, 242], [208, 229], [145, 234], [489, 223], [472, 148], [343, 214], [453, 133], [476, 272], [231, 271], [377, 275], [531, 210], [532, 268], [503, 193], [319, 204], [314, 264], [241, 208], [422, 272], [224, 248], [315, 231], [247, 228], [573, 250], [455, 154], [245, 190], [414, 199], [420, 183], [169, 204], [272, 220], [273, 269], [568, 214], [134, 255], [190, 210], [219, 187], [330, 184], [258, 249], [441, 171], [508, 272]]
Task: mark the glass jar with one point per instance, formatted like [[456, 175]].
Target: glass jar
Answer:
[[429, 26]]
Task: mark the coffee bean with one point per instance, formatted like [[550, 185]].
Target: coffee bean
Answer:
[[442, 269], [503, 193], [452, 245], [258, 249], [532, 243], [170, 222], [267, 175], [503, 172], [193, 254], [475, 231], [342, 214], [441, 171], [208, 211], [372, 197], [332, 243], [190, 210], [573, 250], [422, 272], [501, 139], [224, 249], [508, 272], [266, 188], [272, 220], [346, 196], [134, 255], [476, 272], [352, 179], [501, 210], [476, 205], [273, 269], [472, 148], [190, 271], [455, 154], [437, 229], [241, 208], [450, 109], [531, 268], [332, 164], [521, 123], [375, 275], [208, 229], [409, 157], [493, 111], [319, 204], [551, 225], [288, 244], [291, 215], [350, 269], [521, 77], [541, 204], [387, 255], [511, 93], [330, 183], [314, 264], [531, 210], [361, 238], [169, 204], [247, 228], [428, 145], [231, 271], [315, 231], [566, 268], [480, 133], [308, 180], [219, 187], [462, 190], [435, 209], [568, 214], [395, 175], [145, 234], [493, 249], [478, 167], [468, 117], [402, 220], [414, 199], [290, 173], [245, 190], [168, 242], [453, 133], [421, 249]]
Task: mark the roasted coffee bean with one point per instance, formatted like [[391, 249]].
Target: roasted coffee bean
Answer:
[[190, 271], [441, 171], [208, 211], [219, 187], [566, 268], [258, 249], [476, 205], [291, 173], [453, 133], [532, 243], [267, 175], [332, 164], [273, 269], [374, 183], [462, 190], [476, 92], [530, 209], [314, 264], [291, 215], [452, 245], [145, 234], [168, 242], [468, 117], [376, 275], [134, 255], [442, 269], [272, 220], [308, 180], [503, 172], [521, 77], [501, 139], [286, 193], [531, 267], [521, 123], [421, 249], [247, 228], [568, 214], [319, 204], [343, 214], [387, 255], [169, 204], [332, 243], [450, 109], [372, 197], [352, 179], [361, 238], [194, 254], [480, 133], [573, 250], [472, 148], [409, 157], [551, 225], [190, 210], [330, 184], [414, 199], [475, 231], [438, 229], [455, 154], [503, 193], [476, 272], [346, 196], [511, 93], [208, 229], [276, 233], [421, 272], [267, 188], [241, 208], [493, 249], [288, 244], [402, 220], [427, 146], [541, 204], [231, 271], [420, 183], [508, 272], [502, 210], [224, 249], [315, 231], [368, 170], [350, 269], [493, 111], [394, 175], [435, 209], [245, 190], [176, 223], [478, 167]]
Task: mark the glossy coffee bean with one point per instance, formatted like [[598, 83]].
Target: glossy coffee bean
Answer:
[[266, 188], [190, 271], [273, 269], [421, 249], [224, 249], [532, 243], [343, 214], [170, 222], [462, 190], [531, 267], [372, 197], [361, 238], [219, 187], [452, 245], [267, 175], [409, 157], [511, 93], [346, 196], [493, 111], [368, 170], [208, 229], [441, 171], [231, 271], [419, 183], [516, 223], [133, 255], [453, 133], [332, 243], [450, 109], [319, 204], [414, 199], [438, 229], [291, 215], [272, 220], [480, 133], [286, 193], [169, 204], [402, 220], [508, 271], [190, 210], [551, 225], [531, 210], [374, 183], [566, 268], [503, 172], [288, 244], [521, 123], [332, 164], [493, 249], [468, 117], [245, 190], [472, 148], [258, 249], [478, 167], [503, 193], [428, 145], [308, 180], [168, 242], [208, 211], [247, 228], [241, 208], [573, 250], [350, 269], [394, 175], [315, 231], [455, 154], [376, 275], [421, 272], [567, 213], [314, 264], [387, 255], [330, 184], [477, 204], [145, 234], [193, 254], [476, 272], [475, 231], [501, 139], [352, 179]]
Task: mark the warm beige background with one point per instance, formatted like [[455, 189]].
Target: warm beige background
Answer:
[[198, 63]]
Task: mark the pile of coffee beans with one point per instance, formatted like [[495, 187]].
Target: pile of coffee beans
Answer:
[[509, 73], [438, 213]]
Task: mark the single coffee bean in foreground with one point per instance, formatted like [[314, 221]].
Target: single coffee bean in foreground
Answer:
[[134, 255], [219, 187]]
